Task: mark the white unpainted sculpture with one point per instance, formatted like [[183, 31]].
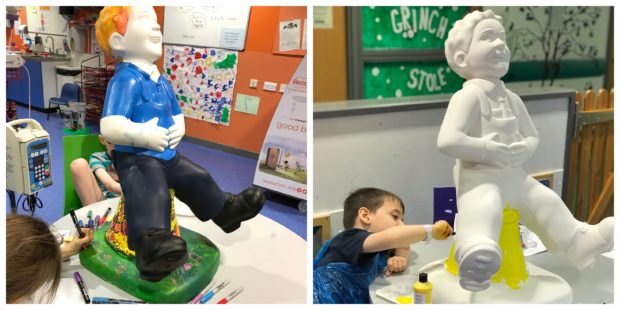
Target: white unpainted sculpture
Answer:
[[490, 134]]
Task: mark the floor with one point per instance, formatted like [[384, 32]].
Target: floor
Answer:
[[232, 172]]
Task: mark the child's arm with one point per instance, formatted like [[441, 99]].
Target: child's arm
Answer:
[[108, 182], [398, 262], [404, 235], [462, 113]]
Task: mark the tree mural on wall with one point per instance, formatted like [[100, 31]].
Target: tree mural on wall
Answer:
[[559, 31]]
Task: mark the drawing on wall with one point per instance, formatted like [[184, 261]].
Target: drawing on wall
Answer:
[[203, 80]]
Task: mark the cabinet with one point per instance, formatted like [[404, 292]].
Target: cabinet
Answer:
[[42, 83]]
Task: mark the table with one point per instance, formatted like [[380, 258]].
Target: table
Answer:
[[595, 285], [263, 256]]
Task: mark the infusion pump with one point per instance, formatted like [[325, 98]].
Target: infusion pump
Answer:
[[28, 158]]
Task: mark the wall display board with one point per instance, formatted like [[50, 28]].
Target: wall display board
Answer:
[[210, 26], [203, 80], [282, 164], [407, 27], [400, 79], [400, 44]]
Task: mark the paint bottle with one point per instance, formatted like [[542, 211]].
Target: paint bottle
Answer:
[[422, 290]]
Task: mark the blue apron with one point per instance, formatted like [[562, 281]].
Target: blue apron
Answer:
[[344, 283]]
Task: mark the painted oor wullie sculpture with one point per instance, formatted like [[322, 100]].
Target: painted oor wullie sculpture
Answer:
[[490, 134], [141, 116]]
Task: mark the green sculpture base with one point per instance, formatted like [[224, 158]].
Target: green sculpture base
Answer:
[[181, 286]]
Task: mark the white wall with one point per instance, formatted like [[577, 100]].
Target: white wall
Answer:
[[398, 152]]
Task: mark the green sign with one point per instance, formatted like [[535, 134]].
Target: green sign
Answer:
[[388, 80], [408, 27]]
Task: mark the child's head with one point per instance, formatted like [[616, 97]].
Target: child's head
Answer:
[[476, 46], [129, 32], [373, 209], [109, 146], [33, 258]]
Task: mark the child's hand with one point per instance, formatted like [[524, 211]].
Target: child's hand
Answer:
[[441, 230], [73, 247], [396, 264]]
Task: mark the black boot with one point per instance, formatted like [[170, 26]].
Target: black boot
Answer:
[[158, 253], [239, 208]]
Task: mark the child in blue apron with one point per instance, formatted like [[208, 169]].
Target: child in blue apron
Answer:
[[347, 264]]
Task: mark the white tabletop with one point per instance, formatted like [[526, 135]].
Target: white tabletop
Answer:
[[263, 256], [595, 285]]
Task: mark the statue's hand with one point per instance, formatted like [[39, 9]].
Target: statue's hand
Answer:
[[520, 152], [156, 137], [496, 154], [176, 133]]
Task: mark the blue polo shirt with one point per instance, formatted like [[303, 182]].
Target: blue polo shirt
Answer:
[[131, 93]]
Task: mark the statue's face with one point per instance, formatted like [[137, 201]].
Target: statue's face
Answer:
[[142, 37], [488, 55]]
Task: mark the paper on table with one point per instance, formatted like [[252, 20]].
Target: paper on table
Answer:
[[393, 291], [67, 235], [530, 242], [247, 104], [289, 35]]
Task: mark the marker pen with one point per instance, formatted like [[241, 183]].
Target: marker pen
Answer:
[[97, 222], [77, 226], [81, 223], [197, 298], [210, 294], [105, 300], [91, 224], [80, 283], [231, 296], [90, 215], [104, 217]]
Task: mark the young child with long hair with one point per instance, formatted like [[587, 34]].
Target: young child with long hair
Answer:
[[34, 258]]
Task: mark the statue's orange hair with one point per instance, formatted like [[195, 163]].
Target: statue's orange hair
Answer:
[[111, 19]]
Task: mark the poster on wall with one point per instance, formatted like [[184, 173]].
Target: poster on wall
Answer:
[[212, 26], [290, 31], [282, 163], [203, 80]]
